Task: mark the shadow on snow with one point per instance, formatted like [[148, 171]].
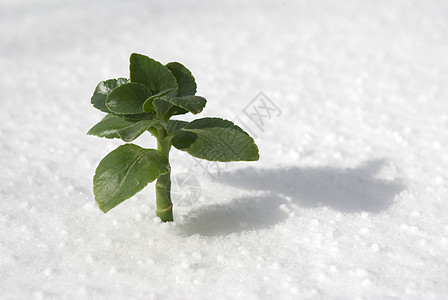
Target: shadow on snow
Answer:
[[344, 190]]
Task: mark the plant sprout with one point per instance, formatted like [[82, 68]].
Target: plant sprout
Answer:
[[145, 103]]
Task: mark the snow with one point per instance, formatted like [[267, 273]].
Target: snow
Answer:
[[348, 200]]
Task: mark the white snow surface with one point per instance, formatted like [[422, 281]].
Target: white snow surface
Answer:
[[348, 201]]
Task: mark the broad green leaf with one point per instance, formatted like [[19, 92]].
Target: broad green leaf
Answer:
[[136, 117], [174, 125], [152, 74], [112, 126], [130, 133], [180, 139], [102, 90], [193, 104], [161, 107], [183, 139], [109, 126], [185, 80], [216, 139], [124, 172], [175, 110], [128, 98], [147, 106]]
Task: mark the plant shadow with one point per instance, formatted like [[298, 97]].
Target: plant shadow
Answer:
[[241, 214], [344, 190]]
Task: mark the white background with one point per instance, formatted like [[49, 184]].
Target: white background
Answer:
[[348, 200]]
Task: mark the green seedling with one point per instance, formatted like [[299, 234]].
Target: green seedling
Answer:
[[145, 103]]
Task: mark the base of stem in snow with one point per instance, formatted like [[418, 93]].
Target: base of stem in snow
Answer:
[[166, 215], [163, 198]]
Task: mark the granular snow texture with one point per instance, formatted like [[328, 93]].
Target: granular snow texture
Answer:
[[348, 200]]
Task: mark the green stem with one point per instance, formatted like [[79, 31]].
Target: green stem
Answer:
[[163, 185]]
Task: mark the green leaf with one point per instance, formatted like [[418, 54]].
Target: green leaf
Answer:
[[152, 74], [174, 125], [161, 107], [102, 90], [128, 98], [215, 139], [112, 126], [193, 104], [109, 126], [147, 106], [185, 80], [183, 139], [175, 110], [136, 117], [130, 133], [124, 172]]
